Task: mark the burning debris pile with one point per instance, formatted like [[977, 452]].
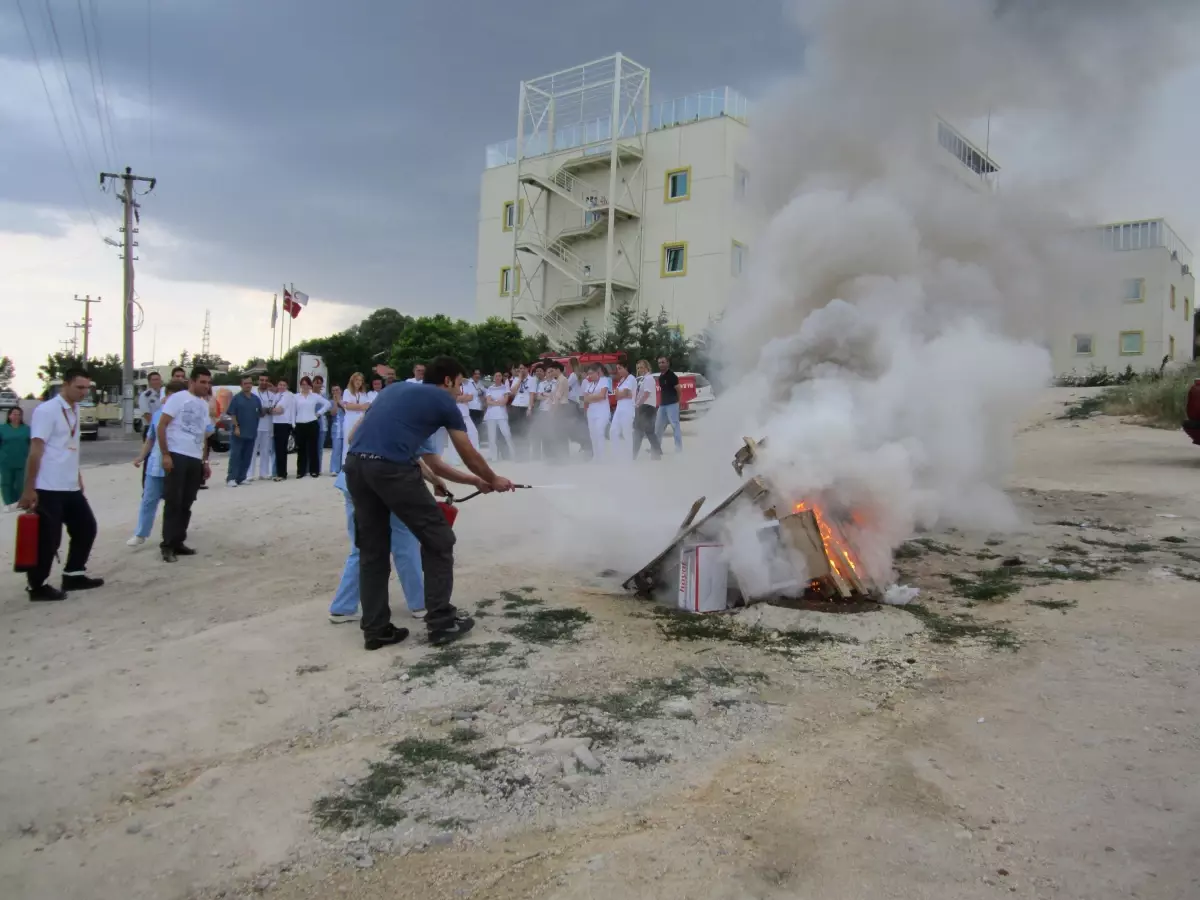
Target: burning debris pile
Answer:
[[808, 550]]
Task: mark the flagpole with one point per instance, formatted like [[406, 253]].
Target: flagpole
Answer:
[[293, 318], [274, 320]]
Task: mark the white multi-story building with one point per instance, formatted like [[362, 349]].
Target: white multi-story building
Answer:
[[1146, 311], [605, 199]]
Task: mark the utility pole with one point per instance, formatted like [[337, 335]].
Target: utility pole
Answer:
[[206, 336], [67, 345], [74, 342], [128, 243], [87, 321]]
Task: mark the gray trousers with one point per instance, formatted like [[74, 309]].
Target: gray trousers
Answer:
[[379, 489]]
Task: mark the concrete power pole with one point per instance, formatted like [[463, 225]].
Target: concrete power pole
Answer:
[[87, 321], [130, 206]]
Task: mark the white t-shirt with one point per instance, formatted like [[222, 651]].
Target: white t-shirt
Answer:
[[545, 391], [496, 413], [522, 390], [650, 386], [371, 395], [414, 380], [574, 388], [268, 398], [56, 424], [305, 409], [598, 411], [625, 404], [189, 422], [476, 391]]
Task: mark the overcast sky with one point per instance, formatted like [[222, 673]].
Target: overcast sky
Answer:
[[340, 146]]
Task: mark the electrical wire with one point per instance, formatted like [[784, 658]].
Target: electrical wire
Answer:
[[58, 124], [112, 132], [87, 149], [87, 48]]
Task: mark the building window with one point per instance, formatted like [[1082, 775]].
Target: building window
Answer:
[[513, 213], [1172, 296], [1187, 309], [738, 259], [678, 185], [1133, 290], [1132, 343], [741, 182], [1171, 346], [674, 259], [510, 281], [1083, 345]]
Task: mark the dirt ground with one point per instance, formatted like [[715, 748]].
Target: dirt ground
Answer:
[[168, 736]]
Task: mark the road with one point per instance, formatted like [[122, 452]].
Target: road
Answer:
[[110, 447]]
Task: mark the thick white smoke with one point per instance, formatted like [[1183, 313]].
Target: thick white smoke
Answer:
[[893, 329]]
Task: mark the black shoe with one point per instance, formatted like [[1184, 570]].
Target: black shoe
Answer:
[[203, 487], [392, 635], [81, 582], [46, 592], [184, 550], [442, 636], [168, 555]]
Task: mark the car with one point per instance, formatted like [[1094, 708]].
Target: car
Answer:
[[89, 422], [8, 400], [701, 402], [218, 441]]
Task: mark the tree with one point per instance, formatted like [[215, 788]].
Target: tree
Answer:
[[585, 339], [499, 344], [56, 364], [105, 372], [621, 327], [431, 336], [6, 373], [380, 331], [185, 359]]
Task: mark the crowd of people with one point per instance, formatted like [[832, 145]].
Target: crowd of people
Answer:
[[388, 440]]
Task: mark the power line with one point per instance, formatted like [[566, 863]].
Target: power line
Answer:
[[87, 48], [112, 132], [57, 124], [87, 149]]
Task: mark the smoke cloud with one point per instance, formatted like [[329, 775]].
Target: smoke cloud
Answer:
[[893, 329]]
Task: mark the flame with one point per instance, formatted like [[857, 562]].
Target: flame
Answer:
[[837, 550]]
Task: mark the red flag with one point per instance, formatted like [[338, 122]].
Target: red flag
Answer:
[[290, 306]]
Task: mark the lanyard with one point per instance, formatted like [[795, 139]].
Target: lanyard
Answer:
[[71, 426]]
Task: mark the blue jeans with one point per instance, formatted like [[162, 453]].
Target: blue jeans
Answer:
[[335, 455], [152, 492], [322, 429], [241, 452], [669, 413], [406, 556]]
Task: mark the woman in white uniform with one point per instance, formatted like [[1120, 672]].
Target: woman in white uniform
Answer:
[[595, 401], [621, 433], [496, 417], [355, 402]]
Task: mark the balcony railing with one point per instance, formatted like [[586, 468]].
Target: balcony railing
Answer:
[[594, 134]]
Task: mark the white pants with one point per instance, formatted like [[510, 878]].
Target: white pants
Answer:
[[264, 449], [620, 436], [451, 454], [498, 425], [596, 428]]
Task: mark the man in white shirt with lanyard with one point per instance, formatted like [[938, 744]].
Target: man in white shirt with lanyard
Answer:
[[264, 439], [183, 433], [54, 489], [621, 433]]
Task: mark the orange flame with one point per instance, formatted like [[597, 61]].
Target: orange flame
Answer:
[[837, 550]]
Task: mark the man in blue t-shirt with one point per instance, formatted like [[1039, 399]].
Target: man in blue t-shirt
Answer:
[[385, 479]]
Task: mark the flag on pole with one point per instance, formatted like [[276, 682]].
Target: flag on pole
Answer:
[[300, 298], [289, 305], [274, 310]]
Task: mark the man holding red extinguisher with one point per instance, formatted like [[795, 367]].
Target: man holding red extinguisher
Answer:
[[54, 490]]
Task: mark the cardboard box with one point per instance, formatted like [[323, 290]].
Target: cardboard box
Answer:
[[703, 578]]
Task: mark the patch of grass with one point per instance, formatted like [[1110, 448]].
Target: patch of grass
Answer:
[[990, 586], [719, 676], [1174, 540], [993, 542], [486, 604], [935, 546], [469, 659], [650, 758], [1099, 526], [452, 824], [1113, 545], [683, 626], [986, 555], [946, 630], [1053, 604], [1085, 407], [1184, 574], [551, 626], [311, 669], [1069, 548], [1190, 557], [643, 698], [1159, 399], [1072, 574], [464, 735], [519, 603], [909, 550]]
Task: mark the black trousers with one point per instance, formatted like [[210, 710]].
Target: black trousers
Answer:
[[56, 509], [281, 434], [519, 422], [307, 454], [477, 418], [643, 427], [578, 428], [179, 493], [378, 489]]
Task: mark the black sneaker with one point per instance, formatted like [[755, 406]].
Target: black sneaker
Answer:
[[184, 550], [46, 592], [168, 555], [81, 582], [442, 636], [392, 635]]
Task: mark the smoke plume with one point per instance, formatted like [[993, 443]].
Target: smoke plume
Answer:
[[894, 323]]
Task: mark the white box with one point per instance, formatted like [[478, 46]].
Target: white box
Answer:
[[703, 578]]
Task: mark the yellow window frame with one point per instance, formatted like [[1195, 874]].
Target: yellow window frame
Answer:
[[1141, 298], [516, 280], [1171, 346], [1075, 342], [1121, 343], [662, 259], [1187, 309], [687, 195], [520, 218]]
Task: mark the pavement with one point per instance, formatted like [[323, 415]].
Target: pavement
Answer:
[[109, 447]]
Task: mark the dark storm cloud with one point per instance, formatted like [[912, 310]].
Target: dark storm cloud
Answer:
[[341, 145]]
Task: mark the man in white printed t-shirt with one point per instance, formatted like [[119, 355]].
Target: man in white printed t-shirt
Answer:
[[595, 401], [182, 432], [620, 435], [54, 489]]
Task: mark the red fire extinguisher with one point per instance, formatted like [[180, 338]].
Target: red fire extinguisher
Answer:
[[26, 556], [450, 511]]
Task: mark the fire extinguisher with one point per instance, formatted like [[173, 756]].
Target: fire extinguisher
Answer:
[[26, 556], [450, 511]]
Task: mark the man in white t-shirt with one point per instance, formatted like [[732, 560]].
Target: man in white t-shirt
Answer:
[[418, 375], [474, 386], [182, 433], [522, 387], [264, 440], [646, 412], [595, 390], [54, 488], [620, 435]]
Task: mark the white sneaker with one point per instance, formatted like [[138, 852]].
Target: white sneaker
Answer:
[[249, 479], [135, 541], [338, 619], [418, 613], [231, 484]]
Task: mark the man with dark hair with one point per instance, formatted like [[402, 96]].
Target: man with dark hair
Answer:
[[244, 412], [179, 373], [54, 487], [182, 434], [385, 479], [668, 404]]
